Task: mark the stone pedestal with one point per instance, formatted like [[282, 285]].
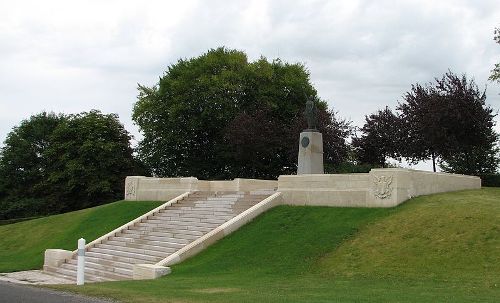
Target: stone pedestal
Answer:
[[310, 153]]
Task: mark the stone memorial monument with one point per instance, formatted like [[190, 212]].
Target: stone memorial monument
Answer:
[[310, 144]]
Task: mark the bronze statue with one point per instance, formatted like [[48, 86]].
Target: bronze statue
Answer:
[[311, 114]]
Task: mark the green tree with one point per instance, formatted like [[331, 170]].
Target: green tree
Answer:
[[54, 163], [474, 160], [88, 159], [446, 119], [261, 147], [193, 119], [495, 72], [379, 140], [23, 166]]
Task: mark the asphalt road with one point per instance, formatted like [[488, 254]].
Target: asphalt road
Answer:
[[16, 293]]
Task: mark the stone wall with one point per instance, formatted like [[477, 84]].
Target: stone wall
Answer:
[[380, 188], [138, 188], [327, 190]]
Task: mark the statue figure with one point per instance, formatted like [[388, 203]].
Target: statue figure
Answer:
[[311, 114]]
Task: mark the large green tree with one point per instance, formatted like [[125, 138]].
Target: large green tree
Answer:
[[54, 163], [447, 119], [23, 166], [88, 159], [220, 116], [379, 140]]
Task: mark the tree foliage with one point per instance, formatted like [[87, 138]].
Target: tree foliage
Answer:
[[89, 158], [473, 160], [218, 116], [447, 119], [495, 72], [379, 140], [54, 163], [23, 166]]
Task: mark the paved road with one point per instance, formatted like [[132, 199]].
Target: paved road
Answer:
[[15, 293]]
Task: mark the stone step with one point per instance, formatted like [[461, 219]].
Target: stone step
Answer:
[[214, 199], [161, 233], [173, 231], [176, 227], [206, 205], [147, 233], [215, 220], [140, 251], [210, 219], [170, 218], [125, 239], [105, 268], [154, 238], [217, 202], [95, 272], [181, 223], [105, 262], [191, 217], [126, 254], [112, 258], [71, 274], [189, 208], [162, 249], [183, 212], [179, 212]]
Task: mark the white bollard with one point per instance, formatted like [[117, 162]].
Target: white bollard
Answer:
[[80, 270]]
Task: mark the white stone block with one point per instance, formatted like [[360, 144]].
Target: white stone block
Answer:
[[56, 257], [150, 271]]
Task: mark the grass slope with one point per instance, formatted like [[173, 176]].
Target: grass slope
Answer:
[[453, 236], [22, 244], [439, 248]]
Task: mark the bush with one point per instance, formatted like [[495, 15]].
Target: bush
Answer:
[[490, 180]]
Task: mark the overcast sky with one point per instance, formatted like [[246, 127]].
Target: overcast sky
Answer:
[[73, 56]]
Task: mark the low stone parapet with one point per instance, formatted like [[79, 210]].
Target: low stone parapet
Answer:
[[386, 187], [379, 188], [138, 188]]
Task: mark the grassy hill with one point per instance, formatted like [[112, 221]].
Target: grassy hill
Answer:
[[439, 248], [452, 237], [22, 244]]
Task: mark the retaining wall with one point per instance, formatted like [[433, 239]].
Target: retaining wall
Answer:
[[379, 188], [139, 188]]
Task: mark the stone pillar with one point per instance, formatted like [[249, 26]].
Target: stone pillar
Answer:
[[310, 153]]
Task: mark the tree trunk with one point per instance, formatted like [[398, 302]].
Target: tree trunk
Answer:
[[433, 162]]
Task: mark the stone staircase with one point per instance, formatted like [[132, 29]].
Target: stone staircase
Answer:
[[159, 235]]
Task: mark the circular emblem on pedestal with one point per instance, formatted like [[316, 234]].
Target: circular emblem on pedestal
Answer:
[[304, 142]]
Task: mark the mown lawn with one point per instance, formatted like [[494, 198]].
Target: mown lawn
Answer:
[[22, 244], [439, 248]]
